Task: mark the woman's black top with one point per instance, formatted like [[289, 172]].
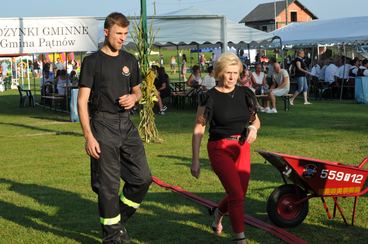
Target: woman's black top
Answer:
[[298, 72], [228, 113], [159, 81]]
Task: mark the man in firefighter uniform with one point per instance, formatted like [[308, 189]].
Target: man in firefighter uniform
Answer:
[[110, 79]]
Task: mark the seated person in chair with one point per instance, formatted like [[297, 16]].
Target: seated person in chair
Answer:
[[280, 87], [362, 70], [61, 82], [73, 78], [195, 79], [163, 88], [209, 80]]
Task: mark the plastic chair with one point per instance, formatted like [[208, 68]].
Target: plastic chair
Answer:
[[24, 95]]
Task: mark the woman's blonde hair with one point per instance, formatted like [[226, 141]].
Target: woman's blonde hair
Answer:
[[226, 59]]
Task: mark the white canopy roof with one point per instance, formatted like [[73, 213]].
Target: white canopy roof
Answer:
[[351, 30], [194, 27]]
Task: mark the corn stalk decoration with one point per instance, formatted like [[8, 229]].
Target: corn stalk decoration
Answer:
[[147, 126]]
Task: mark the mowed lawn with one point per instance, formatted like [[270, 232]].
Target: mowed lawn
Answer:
[[45, 194]]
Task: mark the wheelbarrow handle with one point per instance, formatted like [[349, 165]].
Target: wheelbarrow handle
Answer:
[[361, 165]]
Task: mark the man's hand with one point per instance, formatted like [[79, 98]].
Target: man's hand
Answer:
[[195, 169], [252, 135], [128, 101], [92, 147]]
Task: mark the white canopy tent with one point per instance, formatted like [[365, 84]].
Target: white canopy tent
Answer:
[[193, 27], [343, 31]]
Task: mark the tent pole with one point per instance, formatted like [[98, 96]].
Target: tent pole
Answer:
[[159, 53], [191, 59], [53, 64], [43, 61], [16, 72], [198, 54], [66, 87], [178, 58], [343, 74], [11, 68], [318, 52], [223, 34], [80, 62], [66, 61], [312, 57], [248, 46], [282, 54], [34, 78], [27, 68], [21, 72]]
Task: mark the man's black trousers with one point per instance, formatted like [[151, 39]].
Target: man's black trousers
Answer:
[[122, 157]]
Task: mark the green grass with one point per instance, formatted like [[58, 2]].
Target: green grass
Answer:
[[45, 196]]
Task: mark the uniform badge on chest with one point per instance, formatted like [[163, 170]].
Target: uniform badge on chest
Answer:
[[125, 71]]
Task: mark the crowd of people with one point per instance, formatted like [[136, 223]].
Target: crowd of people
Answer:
[[195, 80], [261, 82], [326, 77], [56, 77], [11, 69], [329, 73], [332, 73]]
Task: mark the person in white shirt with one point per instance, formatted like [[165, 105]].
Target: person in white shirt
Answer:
[[316, 70], [343, 70], [195, 79], [2, 86], [355, 64], [330, 72], [4, 66], [209, 80], [259, 84], [59, 65], [62, 82], [69, 67], [259, 78], [173, 64], [280, 86]]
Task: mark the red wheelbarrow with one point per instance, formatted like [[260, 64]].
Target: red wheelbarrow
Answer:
[[287, 206]]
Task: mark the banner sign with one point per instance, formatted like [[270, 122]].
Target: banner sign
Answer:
[[48, 35]]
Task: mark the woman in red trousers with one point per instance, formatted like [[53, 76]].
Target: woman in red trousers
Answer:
[[230, 111]]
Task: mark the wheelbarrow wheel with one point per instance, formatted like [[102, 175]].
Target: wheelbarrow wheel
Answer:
[[281, 208]]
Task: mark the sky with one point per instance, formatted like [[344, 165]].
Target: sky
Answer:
[[324, 9]]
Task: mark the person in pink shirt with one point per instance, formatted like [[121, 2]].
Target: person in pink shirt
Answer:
[[245, 78]]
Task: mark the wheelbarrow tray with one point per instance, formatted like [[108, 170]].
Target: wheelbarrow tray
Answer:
[[319, 177]]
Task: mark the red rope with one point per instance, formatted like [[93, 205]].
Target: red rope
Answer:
[[278, 232]]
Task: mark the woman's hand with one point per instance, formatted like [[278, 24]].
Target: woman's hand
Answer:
[[252, 135], [195, 169]]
